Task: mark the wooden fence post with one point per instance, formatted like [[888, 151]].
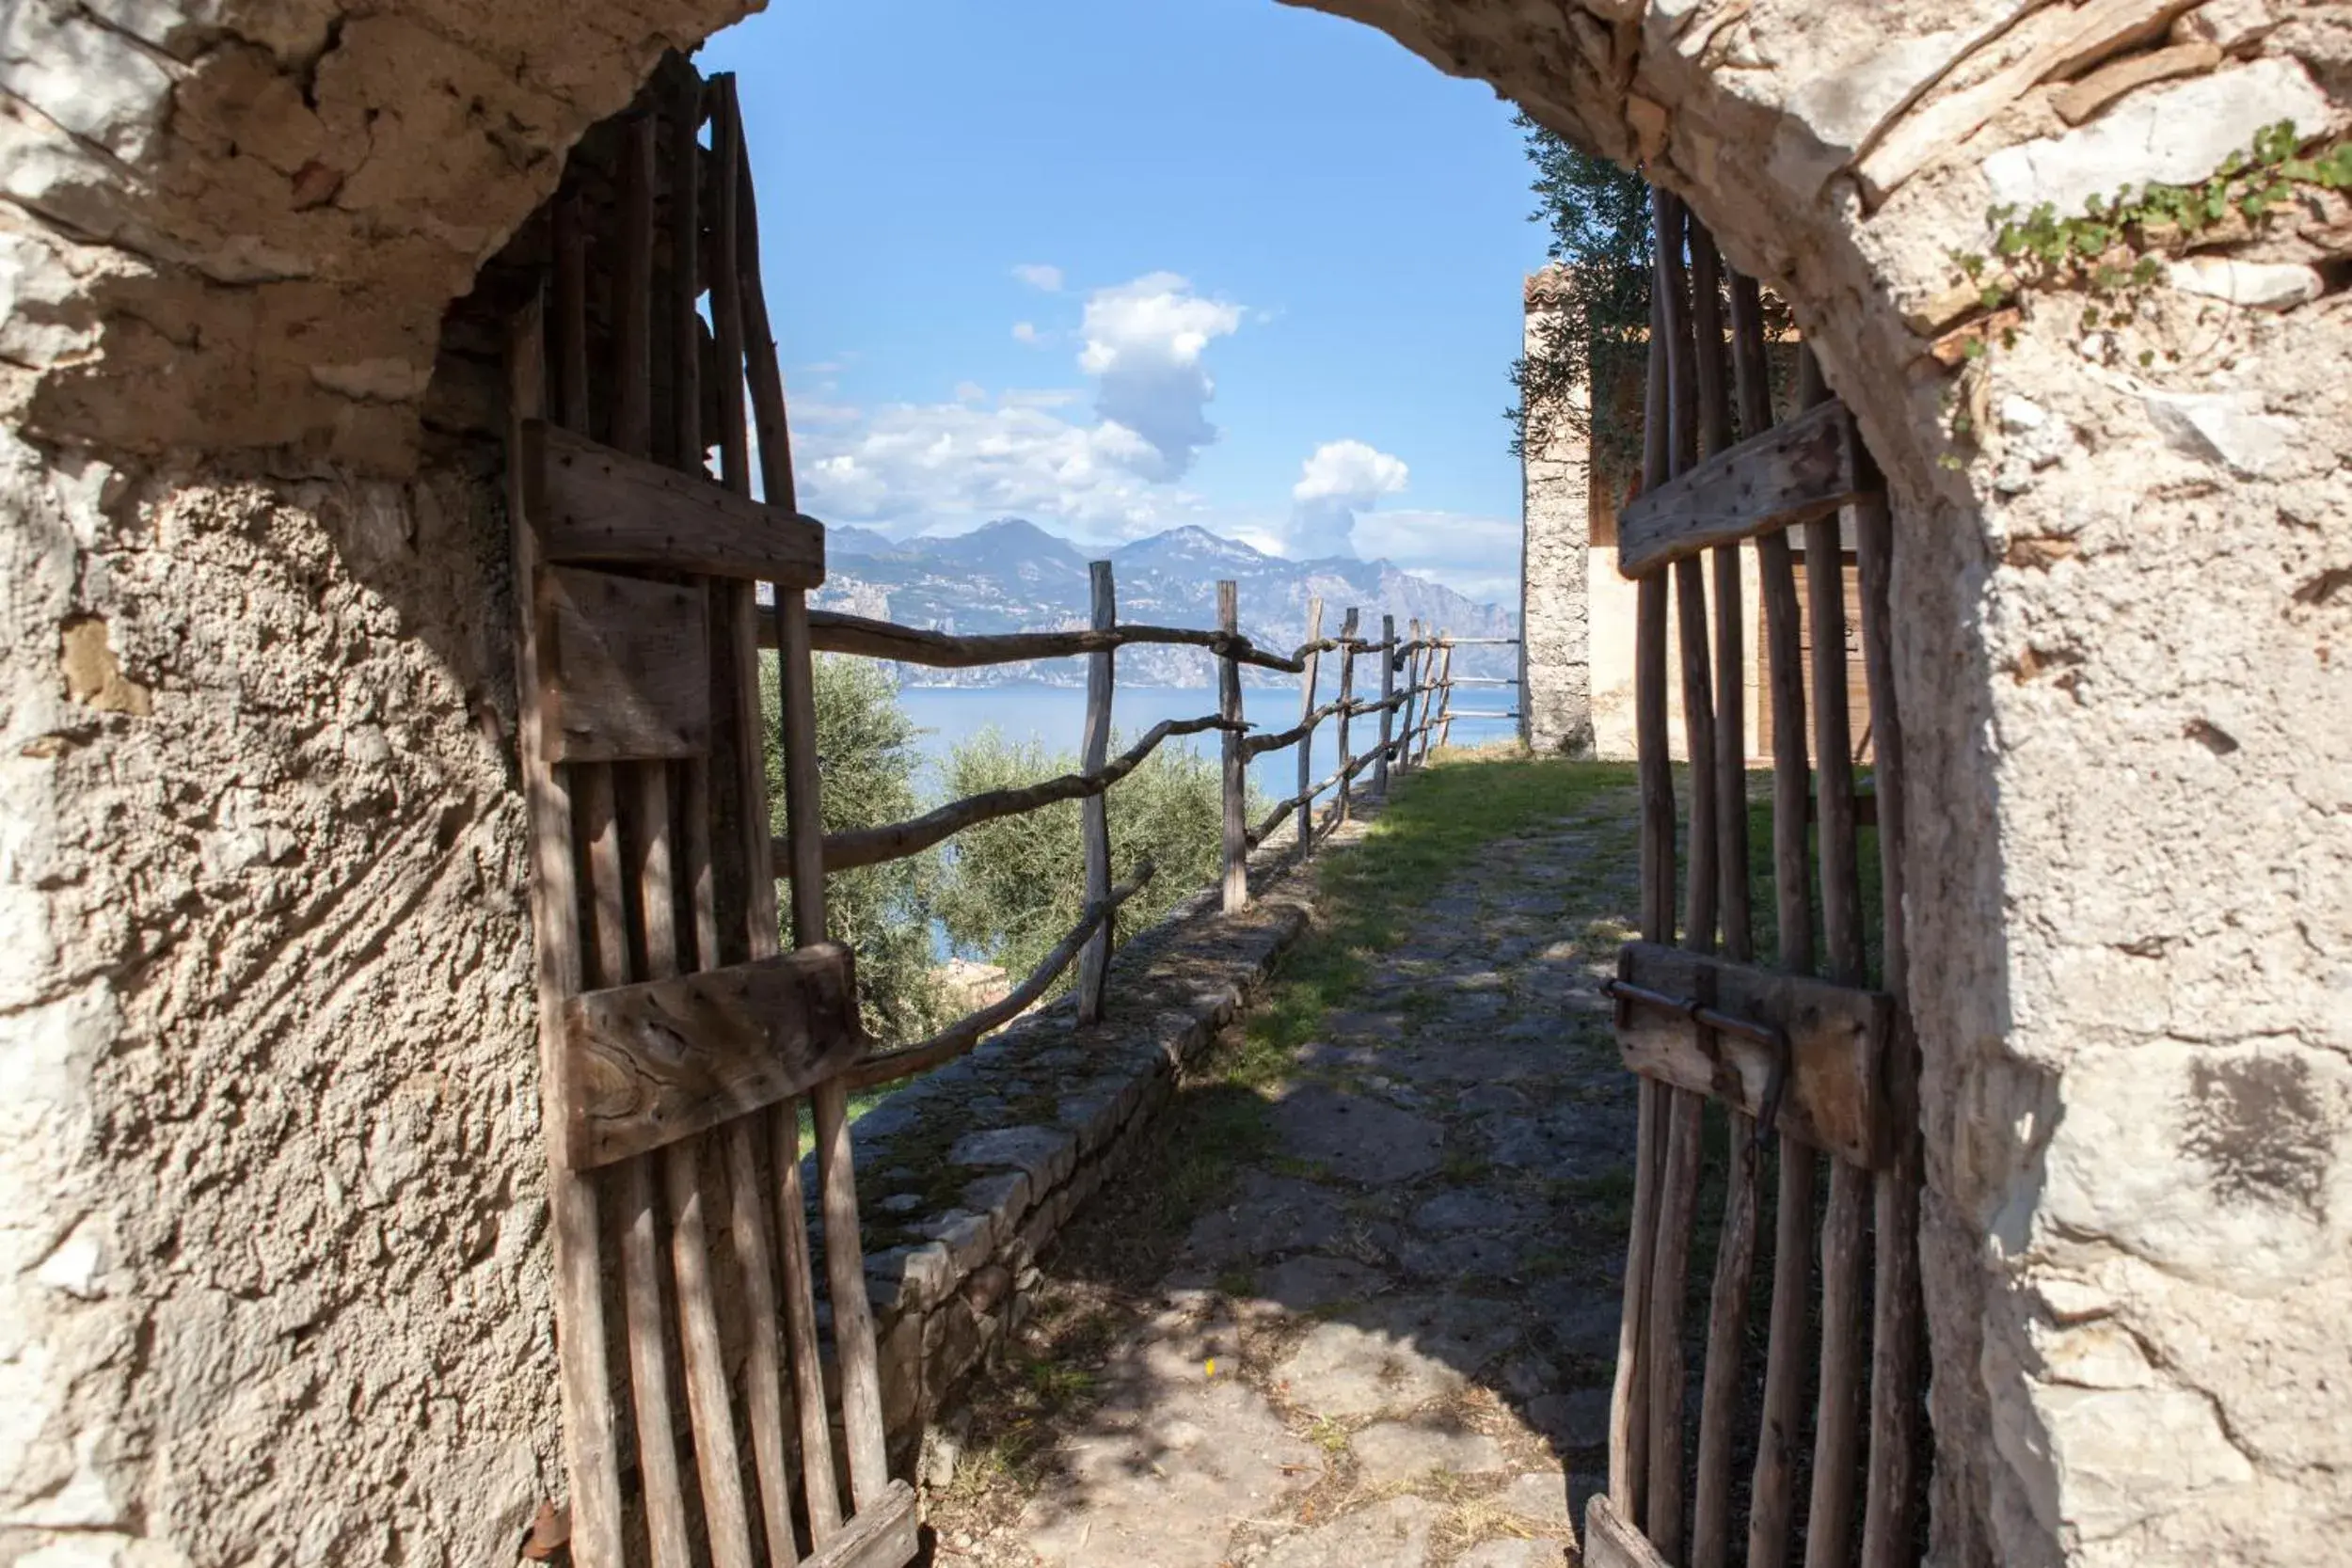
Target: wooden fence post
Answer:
[[1387, 696], [1445, 696], [1236, 772], [1306, 717], [1095, 962], [1415, 697], [1347, 698]]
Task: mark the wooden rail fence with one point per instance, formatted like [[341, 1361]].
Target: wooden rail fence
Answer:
[[1413, 718]]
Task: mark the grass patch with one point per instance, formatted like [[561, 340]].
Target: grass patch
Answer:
[[1372, 892]]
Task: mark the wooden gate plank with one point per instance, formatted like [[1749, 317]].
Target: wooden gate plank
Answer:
[[1829, 1529], [627, 667], [883, 1534], [1897, 1310], [1835, 1098], [649, 1064], [595, 503], [1611, 1541], [1793, 473]]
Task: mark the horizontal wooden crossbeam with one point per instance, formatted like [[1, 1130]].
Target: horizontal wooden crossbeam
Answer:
[[1834, 1097], [885, 1533], [594, 503], [1797, 470], [1610, 1540], [647, 1065]]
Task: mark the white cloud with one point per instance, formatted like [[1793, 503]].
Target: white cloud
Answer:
[[934, 464], [1040, 276], [1349, 471], [1029, 450], [1144, 343], [1339, 480]]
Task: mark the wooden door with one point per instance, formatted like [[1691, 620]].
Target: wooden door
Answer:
[[1766, 1024], [1857, 666], [679, 1040]]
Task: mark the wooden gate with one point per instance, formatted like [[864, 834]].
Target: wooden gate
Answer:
[[1795, 1053], [677, 1041]]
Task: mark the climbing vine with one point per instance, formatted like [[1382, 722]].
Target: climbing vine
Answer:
[[2114, 252]]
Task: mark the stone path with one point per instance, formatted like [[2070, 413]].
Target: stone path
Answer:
[[1388, 1339]]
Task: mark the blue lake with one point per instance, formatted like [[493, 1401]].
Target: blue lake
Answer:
[[1055, 717]]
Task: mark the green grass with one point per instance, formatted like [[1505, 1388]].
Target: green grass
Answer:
[[1436, 825]]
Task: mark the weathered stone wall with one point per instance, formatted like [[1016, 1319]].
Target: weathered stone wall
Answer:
[[279, 1114], [273, 1273], [1555, 664]]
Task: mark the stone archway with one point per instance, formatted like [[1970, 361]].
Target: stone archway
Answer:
[[273, 1246]]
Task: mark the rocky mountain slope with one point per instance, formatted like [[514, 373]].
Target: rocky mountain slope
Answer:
[[1012, 576]]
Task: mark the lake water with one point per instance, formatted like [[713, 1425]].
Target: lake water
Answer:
[[1056, 716]]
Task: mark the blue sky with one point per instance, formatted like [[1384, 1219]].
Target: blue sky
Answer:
[[1120, 265]]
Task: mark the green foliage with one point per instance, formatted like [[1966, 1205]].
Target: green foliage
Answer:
[[866, 758], [2110, 253], [1599, 218], [1598, 337], [1014, 887]]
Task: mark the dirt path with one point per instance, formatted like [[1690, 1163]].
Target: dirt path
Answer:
[[1359, 1306]]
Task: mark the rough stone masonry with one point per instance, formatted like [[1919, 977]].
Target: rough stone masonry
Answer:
[[272, 1252]]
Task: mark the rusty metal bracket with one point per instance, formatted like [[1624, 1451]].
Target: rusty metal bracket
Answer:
[[1625, 993]]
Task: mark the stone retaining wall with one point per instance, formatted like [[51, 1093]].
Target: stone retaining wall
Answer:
[[967, 1176]]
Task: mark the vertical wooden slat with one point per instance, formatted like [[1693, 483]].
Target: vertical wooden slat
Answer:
[[1229, 707], [725, 1514], [1682, 1111], [1787, 1340], [648, 812], [1306, 679], [1771, 1492], [1094, 962], [686, 242], [1412, 695], [1887, 1523], [1829, 1524], [1387, 710], [590, 1460], [632, 294], [1730, 782], [1735, 1259], [750, 1232], [852, 1313], [805, 842], [763, 1367], [1347, 698], [805, 839], [1629, 1412]]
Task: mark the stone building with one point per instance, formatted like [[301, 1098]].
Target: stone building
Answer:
[[1576, 657], [273, 1245]]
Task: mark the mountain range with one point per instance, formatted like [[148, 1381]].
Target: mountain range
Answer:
[[1012, 576]]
